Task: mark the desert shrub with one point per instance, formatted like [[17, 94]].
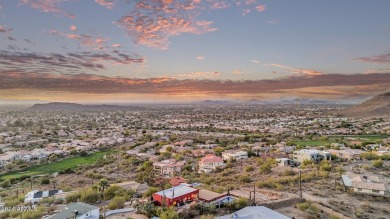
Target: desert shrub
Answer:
[[116, 203], [304, 206], [289, 172], [307, 162], [325, 167], [249, 169], [169, 213], [90, 196], [83, 153], [66, 171], [72, 197], [6, 183], [245, 178], [113, 191], [238, 204], [45, 181], [265, 168], [150, 192], [377, 163]]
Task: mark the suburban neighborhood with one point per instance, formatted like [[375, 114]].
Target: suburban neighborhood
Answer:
[[169, 163]]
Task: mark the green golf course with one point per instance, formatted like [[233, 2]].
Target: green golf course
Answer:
[[49, 168]]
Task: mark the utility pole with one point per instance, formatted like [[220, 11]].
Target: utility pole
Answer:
[[300, 183], [254, 193]]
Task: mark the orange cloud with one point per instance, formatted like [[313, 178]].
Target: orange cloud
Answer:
[[84, 39], [373, 71], [308, 72], [71, 63], [260, 8], [200, 57], [155, 31], [383, 58], [331, 85], [236, 72], [109, 4], [73, 27], [199, 74], [52, 6]]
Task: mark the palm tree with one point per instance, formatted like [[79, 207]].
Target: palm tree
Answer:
[[103, 185]]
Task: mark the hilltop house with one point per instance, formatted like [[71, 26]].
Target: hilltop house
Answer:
[[236, 155], [168, 167], [310, 154], [209, 163]]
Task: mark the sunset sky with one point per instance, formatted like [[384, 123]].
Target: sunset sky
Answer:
[[186, 50]]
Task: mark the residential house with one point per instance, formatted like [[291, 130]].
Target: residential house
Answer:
[[35, 196], [201, 152], [347, 153], [283, 162], [365, 185], [209, 163], [175, 196], [177, 180], [40, 153], [255, 212], [78, 210], [236, 155], [9, 156], [286, 149], [168, 167], [311, 154], [368, 185], [206, 146], [208, 196]]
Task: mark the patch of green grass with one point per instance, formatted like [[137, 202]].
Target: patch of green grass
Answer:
[[310, 143], [54, 167], [368, 137]]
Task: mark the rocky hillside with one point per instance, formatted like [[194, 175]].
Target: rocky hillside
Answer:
[[378, 106]]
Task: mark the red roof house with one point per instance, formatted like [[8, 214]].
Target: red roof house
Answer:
[[177, 180]]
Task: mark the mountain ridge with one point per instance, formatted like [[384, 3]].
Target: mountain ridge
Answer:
[[377, 106], [64, 106]]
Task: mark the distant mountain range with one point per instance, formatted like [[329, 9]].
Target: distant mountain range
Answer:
[[59, 106], [265, 102], [378, 106]]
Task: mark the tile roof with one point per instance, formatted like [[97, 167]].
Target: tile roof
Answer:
[[211, 158]]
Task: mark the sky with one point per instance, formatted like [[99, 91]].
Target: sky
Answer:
[[189, 50]]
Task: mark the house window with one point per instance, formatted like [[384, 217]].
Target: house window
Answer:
[[376, 191], [359, 190]]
